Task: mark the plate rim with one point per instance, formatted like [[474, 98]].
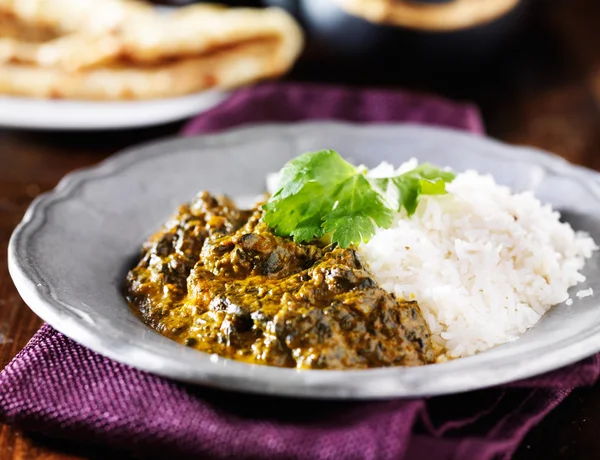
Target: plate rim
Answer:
[[91, 115], [41, 302]]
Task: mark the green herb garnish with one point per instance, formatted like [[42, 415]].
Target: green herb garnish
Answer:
[[322, 194]]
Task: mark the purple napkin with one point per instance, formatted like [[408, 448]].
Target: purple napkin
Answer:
[[56, 387]]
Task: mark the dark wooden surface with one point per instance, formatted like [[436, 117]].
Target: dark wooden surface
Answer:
[[544, 92]]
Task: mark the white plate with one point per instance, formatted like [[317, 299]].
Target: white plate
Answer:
[[21, 112], [63, 114], [69, 256]]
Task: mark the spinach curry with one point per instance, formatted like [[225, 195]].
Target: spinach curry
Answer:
[[215, 278]]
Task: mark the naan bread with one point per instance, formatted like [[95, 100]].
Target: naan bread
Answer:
[[13, 28], [138, 53], [66, 16], [226, 69], [201, 28], [153, 38], [71, 52], [455, 15]]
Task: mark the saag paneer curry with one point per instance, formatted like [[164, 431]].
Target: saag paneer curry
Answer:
[[217, 279]]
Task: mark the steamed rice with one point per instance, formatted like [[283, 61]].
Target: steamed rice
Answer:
[[484, 264]]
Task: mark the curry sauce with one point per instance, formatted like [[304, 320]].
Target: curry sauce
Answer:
[[215, 278]]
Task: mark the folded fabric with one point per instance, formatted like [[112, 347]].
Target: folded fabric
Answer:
[[59, 388]]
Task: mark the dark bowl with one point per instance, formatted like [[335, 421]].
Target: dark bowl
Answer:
[[334, 34]]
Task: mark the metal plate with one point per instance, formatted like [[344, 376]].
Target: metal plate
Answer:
[[69, 256]]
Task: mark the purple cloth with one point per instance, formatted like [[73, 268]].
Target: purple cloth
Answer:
[[284, 103], [56, 387]]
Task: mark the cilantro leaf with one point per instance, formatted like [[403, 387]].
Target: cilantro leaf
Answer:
[[346, 230], [321, 194], [357, 208], [398, 192], [307, 186], [308, 229], [286, 212], [429, 172], [325, 167], [403, 191]]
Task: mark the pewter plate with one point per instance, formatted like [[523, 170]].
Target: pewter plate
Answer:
[[70, 254]]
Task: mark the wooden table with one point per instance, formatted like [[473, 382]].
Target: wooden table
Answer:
[[545, 94]]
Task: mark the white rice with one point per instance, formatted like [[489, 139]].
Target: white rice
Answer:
[[484, 264], [585, 293]]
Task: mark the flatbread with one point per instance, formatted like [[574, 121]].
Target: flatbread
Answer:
[[201, 28], [456, 15], [239, 65], [153, 38], [71, 52], [66, 16], [13, 28], [138, 53]]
